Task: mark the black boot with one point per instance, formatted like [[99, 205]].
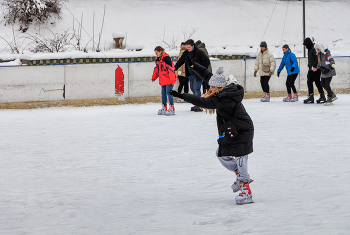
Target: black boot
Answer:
[[197, 109], [310, 99], [322, 99]]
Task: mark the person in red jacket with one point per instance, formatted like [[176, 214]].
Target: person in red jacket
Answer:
[[165, 70]]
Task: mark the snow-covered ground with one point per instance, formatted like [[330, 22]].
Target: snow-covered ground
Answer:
[[228, 27], [126, 170]]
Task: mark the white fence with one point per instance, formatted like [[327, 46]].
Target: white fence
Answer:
[[98, 81]]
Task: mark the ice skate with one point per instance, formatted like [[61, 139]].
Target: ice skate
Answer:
[[322, 99], [288, 98], [329, 101], [236, 185], [245, 196], [295, 97], [334, 97], [265, 98], [310, 99], [170, 111], [179, 100], [163, 110]]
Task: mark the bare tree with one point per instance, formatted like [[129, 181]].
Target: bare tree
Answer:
[[27, 12], [99, 37], [173, 42]]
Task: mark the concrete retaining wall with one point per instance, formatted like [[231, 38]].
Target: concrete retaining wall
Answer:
[[97, 81]]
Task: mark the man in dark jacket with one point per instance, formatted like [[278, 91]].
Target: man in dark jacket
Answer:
[[314, 74], [201, 46], [235, 127], [189, 57]]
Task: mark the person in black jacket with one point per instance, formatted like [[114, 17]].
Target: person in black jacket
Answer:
[[189, 57], [314, 74], [235, 127]]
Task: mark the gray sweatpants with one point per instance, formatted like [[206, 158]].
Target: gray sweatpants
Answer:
[[234, 163]]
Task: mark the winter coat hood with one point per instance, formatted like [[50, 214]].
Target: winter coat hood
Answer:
[[201, 45], [234, 92], [308, 43], [320, 47]]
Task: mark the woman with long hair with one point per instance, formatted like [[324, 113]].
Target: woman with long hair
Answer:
[[290, 61], [166, 72], [235, 127], [327, 66]]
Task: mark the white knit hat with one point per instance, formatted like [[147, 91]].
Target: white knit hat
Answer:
[[218, 79]]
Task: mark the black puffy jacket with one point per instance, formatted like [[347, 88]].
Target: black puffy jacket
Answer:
[[228, 104]]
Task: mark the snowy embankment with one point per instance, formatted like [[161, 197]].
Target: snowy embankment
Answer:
[[126, 170], [227, 27]]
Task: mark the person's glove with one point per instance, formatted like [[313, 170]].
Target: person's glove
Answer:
[[255, 73], [292, 69], [176, 94], [333, 65], [278, 74], [270, 73]]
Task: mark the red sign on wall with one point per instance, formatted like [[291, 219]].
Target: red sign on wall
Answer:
[[119, 81]]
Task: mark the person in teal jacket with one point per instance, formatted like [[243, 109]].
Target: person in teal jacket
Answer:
[[290, 61]]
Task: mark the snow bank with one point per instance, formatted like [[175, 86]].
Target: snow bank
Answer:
[[16, 62], [233, 28]]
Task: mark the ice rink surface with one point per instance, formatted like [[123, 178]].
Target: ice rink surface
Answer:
[[126, 170]]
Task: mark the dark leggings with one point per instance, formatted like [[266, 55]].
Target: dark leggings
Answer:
[[290, 83], [326, 84], [264, 80], [314, 77], [183, 84]]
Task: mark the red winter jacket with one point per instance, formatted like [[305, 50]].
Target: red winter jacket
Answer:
[[165, 70]]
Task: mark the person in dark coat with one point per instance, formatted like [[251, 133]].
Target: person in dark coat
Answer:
[[235, 127], [314, 74], [201, 46], [189, 57]]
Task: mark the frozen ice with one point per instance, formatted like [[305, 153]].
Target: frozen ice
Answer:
[[126, 170]]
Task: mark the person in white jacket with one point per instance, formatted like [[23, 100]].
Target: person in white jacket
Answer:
[[265, 63]]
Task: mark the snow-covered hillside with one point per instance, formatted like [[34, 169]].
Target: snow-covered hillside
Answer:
[[226, 26]]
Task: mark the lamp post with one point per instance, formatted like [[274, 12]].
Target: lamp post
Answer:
[[304, 26]]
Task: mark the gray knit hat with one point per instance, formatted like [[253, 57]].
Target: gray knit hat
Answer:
[[263, 44], [218, 79]]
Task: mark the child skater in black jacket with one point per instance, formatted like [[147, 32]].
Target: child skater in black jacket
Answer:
[[235, 127]]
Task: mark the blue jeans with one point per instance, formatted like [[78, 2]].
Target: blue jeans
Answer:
[[165, 93], [195, 85]]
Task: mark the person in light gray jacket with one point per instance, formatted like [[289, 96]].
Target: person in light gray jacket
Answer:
[[265, 63], [327, 66]]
